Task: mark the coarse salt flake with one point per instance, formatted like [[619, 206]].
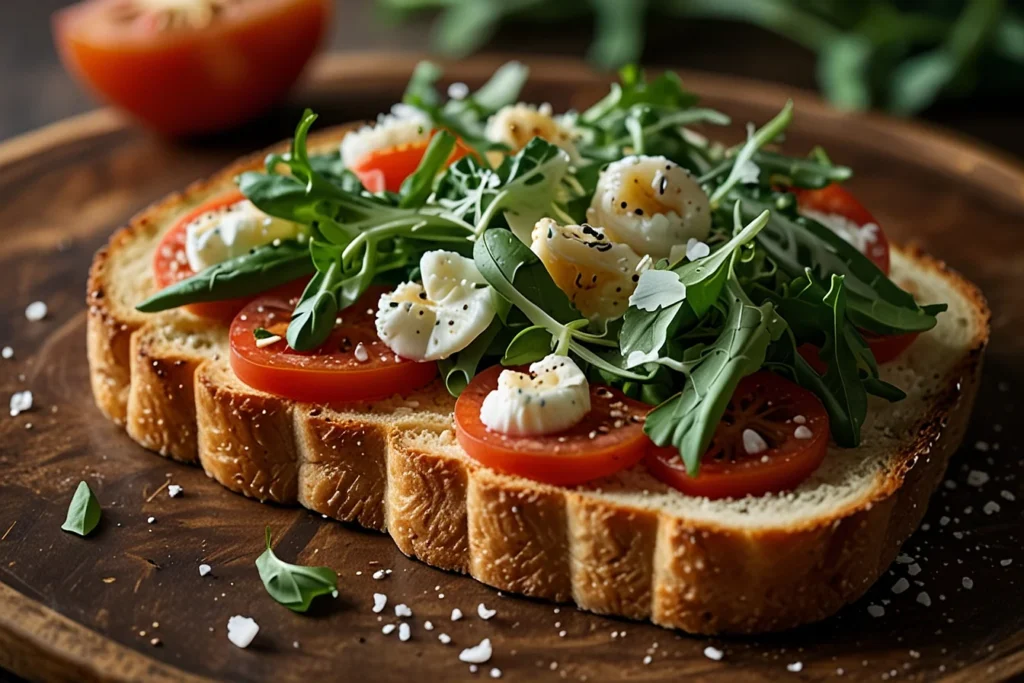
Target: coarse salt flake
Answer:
[[444, 638], [802, 432], [7, 353], [977, 478], [495, 673], [205, 569], [485, 613], [402, 610], [753, 443], [991, 507], [362, 355], [21, 402], [404, 633], [242, 630], [387, 629], [478, 654], [876, 610], [968, 583], [380, 601], [924, 599], [713, 653], [795, 667], [900, 586], [456, 614], [35, 311], [174, 490]]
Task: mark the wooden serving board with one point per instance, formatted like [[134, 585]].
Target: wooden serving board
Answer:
[[89, 609]]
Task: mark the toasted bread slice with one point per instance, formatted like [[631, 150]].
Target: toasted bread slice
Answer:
[[627, 545]]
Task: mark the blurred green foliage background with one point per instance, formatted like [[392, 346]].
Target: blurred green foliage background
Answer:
[[898, 55]]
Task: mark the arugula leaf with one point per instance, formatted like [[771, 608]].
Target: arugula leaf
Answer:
[[529, 346], [666, 300], [262, 333], [459, 369], [417, 187], [755, 142], [83, 512], [260, 270], [688, 420], [317, 311], [294, 586], [666, 91], [874, 302]]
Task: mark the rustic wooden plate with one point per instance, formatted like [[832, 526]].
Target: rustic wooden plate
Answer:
[[78, 609]]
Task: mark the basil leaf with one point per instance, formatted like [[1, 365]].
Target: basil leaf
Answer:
[[529, 346], [83, 513], [459, 369], [294, 586], [262, 333], [260, 270], [689, 419]]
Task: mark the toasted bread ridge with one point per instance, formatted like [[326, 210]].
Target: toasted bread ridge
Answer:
[[627, 545]]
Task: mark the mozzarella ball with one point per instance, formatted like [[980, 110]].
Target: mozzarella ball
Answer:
[[597, 274], [552, 398], [650, 203], [515, 125], [403, 126]]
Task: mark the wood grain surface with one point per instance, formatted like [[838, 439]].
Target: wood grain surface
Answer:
[[128, 603]]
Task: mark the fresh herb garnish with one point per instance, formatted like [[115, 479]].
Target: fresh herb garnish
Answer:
[[293, 585], [83, 513], [262, 333]]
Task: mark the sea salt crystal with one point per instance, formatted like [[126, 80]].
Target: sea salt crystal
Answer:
[[387, 629], [990, 507], [428, 626], [485, 613], [456, 614], [713, 653], [876, 610], [242, 630], [174, 490], [495, 673], [378, 575], [402, 610], [977, 478], [795, 667], [35, 311], [21, 402], [444, 638], [205, 569], [924, 599], [477, 654], [900, 586], [803, 432], [968, 583], [379, 602], [7, 353], [753, 443], [404, 633], [362, 355], [914, 569]]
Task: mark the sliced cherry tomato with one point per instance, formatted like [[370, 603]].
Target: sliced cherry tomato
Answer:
[[609, 439], [170, 264], [190, 66], [385, 169], [884, 348], [780, 412], [835, 199], [352, 365]]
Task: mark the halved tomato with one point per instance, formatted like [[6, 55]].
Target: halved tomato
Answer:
[[386, 169], [170, 264], [190, 66], [352, 365], [835, 200], [609, 439], [787, 440]]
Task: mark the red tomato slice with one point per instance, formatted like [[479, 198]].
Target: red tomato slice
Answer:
[[834, 199], [609, 439], [775, 409], [884, 348], [386, 169], [332, 373], [190, 67], [170, 264]]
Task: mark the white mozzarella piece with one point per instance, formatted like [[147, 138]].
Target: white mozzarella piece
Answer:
[[552, 398], [231, 231], [597, 274], [439, 317], [650, 203], [404, 125], [516, 124]]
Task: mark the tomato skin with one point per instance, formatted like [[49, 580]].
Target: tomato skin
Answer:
[[190, 81], [170, 265], [331, 373], [788, 463], [577, 459], [836, 199], [386, 169], [889, 347]]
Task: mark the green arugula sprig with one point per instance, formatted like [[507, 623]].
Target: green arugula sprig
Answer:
[[293, 585]]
